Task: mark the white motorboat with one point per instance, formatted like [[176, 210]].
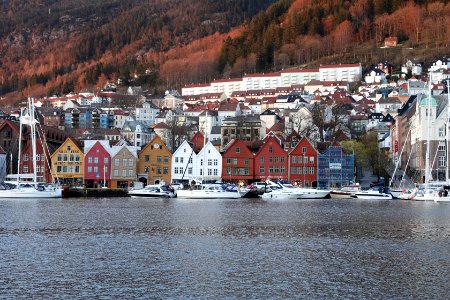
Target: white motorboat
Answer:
[[153, 191], [26, 186], [373, 194], [213, 191], [345, 192], [289, 191]]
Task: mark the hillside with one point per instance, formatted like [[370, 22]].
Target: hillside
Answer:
[[51, 46]]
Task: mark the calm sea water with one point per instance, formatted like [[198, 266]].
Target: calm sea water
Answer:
[[147, 248]]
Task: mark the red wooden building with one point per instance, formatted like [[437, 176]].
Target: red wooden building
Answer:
[[238, 162], [271, 161], [42, 161], [303, 164], [97, 164]]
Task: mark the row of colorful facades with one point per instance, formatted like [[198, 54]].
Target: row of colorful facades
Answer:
[[98, 163]]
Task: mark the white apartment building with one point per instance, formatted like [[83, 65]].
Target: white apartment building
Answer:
[[293, 77], [341, 72], [196, 89], [261, 81], [227, 86]]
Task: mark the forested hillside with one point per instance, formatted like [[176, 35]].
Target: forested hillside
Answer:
[[53, 47]]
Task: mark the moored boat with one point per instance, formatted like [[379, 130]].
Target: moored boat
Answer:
[[153, 191], [213, 191], [373, 194]]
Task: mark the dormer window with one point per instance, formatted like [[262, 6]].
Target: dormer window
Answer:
[[68, 148]]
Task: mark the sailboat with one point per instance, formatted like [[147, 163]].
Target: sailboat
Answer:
[[26, 186], [425, 193], [443, 196]]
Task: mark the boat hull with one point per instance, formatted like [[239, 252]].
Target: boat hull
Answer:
[[314, 194], [206, 194], [442, 199], [374, 196], [340, 195], [281, 196], [150, 195], [30, 194]]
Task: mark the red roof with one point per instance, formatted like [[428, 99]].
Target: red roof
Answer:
[[340, 66], [263, 75], [197, 85]]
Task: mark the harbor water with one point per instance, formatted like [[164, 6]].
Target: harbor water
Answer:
[[172, 248]]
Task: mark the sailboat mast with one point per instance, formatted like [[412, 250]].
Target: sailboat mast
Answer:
[[33, 138], [447, 129], [427, 156], [204, 143], [20, 145]]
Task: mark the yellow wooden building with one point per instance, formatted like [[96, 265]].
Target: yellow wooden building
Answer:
[[155, 162], [68, 163]]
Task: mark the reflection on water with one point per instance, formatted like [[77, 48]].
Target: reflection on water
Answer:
[[224, 249]]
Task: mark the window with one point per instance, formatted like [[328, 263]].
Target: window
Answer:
[[201, 172], [228, 170], [282, 159], [190, 170], [69, 148], [176, 159], [277, 169], [275, 159], [116, 173], [124, 173], [294, 170], [216, 172], [270, 159], [158, 170], [246, 161], [311, 159], [441, 131], [261, 170], [25, 169], [147, 158], [441, 147], [190, 160], [311, 170], [282, 169], [95, 160], [305, 170], [209, 162], [216, 162], [130, 162], [238, 150], [166, 159], [165, 170], [228, 160], [77, 169], [305, 159], [303, 149], [65, 157], [299, 159], [270, 169], [116, 162], [209, 172], [270, 149], [181, 170], [58, 169], [441, 161], [175, 170], [181, 159], [159, 159], [59, 157], [124, 162], [105, 160], [71, 157], [235, 161], [89, 169], [261, 159], [89, 159], [96, 169], [25, 157], [294, 160], [77, 157], [300, 169]]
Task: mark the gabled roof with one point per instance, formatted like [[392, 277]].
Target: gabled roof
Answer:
[[303, 140]]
